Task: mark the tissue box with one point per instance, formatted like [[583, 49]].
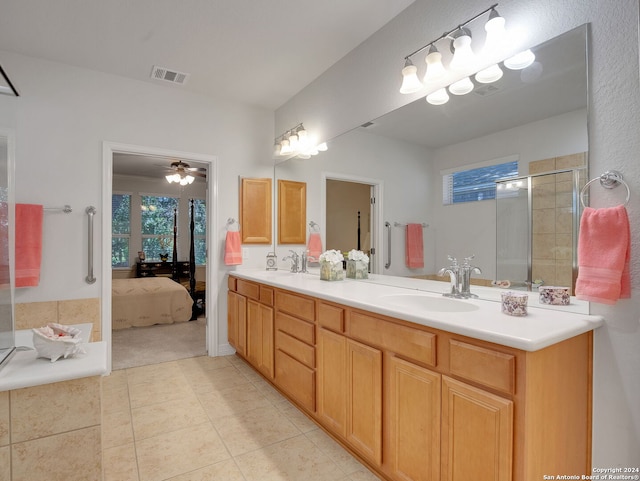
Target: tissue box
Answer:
[[56, 340]]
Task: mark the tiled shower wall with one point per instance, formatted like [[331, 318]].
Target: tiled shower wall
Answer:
[[552, 223]]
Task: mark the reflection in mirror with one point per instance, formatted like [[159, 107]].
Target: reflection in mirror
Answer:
[[7, 340], [533, 115], [6, 86]]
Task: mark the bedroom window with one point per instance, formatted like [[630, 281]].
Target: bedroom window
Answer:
[[200, 231], [157, 225], [477, 182], [121, 229]]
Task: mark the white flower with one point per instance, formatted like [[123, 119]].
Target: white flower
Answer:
[[355, 255], [332, 256]]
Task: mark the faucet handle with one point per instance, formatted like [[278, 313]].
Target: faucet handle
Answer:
[[467, 260], [453, 260]]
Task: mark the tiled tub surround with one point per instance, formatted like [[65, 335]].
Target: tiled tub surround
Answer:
[[50, 413]]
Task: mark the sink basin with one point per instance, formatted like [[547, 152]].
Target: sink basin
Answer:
[[428, 303]]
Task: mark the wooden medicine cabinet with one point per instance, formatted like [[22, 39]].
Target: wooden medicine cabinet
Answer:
[[292, 212], [255, 211]]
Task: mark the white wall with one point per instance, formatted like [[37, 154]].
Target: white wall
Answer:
[[364, 85], [63, 117]]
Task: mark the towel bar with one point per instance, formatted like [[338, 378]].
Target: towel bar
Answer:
[[91, 211], [388, 226]]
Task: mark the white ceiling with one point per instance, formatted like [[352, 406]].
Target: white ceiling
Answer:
[[255, 51]]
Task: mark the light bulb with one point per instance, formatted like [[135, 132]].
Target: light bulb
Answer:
[[276, 149], [461, 87], [435, 69], [520, 60], [303, 139], [169, 179], [496, 34], [322, 147], [285, 148], [463, 56], [410, 81], [438, 97], [293, 142], [190, 179], [489, 74]]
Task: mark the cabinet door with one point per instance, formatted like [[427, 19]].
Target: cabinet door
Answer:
[[237, 321], [266, 362], [477, 434], [413, 420], [364, 404], [331, 358], [260, 337]]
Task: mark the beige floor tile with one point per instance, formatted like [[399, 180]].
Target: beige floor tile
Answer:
[[232, 401], [293, 414], [295, 459], [115, 398], [116, 428], [337, 453], [154, 391], [204, 363], [215, 379], [171, 454], [168, 416], [115, 380], [364, 475], [153, 373], [5, 463], [254, 429], [120, 463], [222, 471]]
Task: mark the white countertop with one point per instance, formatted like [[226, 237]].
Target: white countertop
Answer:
[[480, 319], [25, 369]]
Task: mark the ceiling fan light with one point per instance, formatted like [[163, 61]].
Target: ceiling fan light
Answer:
[[461, 87], [410, 81], [521, 60], [435, 69], [439, 97], [169, 178], [489, 75]]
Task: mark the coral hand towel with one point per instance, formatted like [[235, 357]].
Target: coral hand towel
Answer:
[[604, 248], [314, 246], [414, 250], [28, 244], [233, 249]]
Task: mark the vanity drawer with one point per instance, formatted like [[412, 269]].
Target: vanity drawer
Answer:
[[406, 342], [266, 295], [296, 379], [489, 367], [231, 283], [295, 348], [248, 289], [331, 317], [299, 306], [295, 327]]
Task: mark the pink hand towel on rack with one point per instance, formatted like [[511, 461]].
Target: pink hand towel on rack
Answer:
[[314, 246], [414, 249], [28, 244], [232, 249], [604, 248]]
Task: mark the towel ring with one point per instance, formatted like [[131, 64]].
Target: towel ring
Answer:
[[608, 180]]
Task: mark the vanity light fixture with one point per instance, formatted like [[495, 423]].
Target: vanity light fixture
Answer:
[[296, 142], [463, 59]]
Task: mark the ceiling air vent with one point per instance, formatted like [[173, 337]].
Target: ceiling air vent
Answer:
[[367, 124], [173, 76], [485, 90]]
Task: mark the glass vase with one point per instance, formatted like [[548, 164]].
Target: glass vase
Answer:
[[357, 269], [331, 272]]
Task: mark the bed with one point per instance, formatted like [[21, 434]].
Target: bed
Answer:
[[145, 301], [148, 301]]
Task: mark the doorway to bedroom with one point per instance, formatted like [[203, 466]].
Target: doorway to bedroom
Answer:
[[160, 212]]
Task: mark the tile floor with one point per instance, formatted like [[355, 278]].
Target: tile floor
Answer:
[[212, 419]]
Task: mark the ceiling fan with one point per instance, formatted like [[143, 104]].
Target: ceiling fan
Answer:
[[183, 174]]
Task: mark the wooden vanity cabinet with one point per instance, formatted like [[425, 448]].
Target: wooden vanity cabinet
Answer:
[[421, 404]]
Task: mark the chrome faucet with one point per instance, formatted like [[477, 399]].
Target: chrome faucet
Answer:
[[303, 262], [295, 261], [454, 277], [465, 273]]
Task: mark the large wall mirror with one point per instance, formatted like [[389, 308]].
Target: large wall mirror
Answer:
[[537, 115]]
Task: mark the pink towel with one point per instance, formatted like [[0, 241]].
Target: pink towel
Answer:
[[604, 249], [232, 249], [414, 250], [314, 246], [28, 244]]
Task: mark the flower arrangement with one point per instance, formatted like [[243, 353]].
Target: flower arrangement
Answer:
[[357, 265], [332, 256], [331, 265]]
